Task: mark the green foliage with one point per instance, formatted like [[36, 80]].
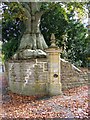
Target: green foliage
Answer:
[[9, 48], [11, 29], [62, 23], [54, 21], [57, 20], [76, 43]]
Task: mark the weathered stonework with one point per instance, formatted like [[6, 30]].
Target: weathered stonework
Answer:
[[44, 76], [33, 77], [54, 70], [72, 76], [28, 77]]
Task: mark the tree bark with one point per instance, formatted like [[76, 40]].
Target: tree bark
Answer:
[[32, 37], [32, 41]]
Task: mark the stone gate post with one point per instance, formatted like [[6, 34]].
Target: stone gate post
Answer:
[[54, 68]]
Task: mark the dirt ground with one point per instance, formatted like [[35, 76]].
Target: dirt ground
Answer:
[[73, 103]]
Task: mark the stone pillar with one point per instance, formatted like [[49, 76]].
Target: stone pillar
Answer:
[[54, 68]]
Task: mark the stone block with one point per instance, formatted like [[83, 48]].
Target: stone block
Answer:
[[55, 89]]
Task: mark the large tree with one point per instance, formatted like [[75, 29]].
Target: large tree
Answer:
[[55, 19], [32, 38], [32, 42]]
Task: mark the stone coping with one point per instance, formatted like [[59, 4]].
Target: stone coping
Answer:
[[27, 60]]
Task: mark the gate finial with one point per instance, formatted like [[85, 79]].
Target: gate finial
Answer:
[[53, 44]]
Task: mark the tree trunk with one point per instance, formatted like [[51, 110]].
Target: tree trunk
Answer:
[[32, 38]]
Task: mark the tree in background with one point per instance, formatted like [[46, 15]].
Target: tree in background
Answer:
[[57, 20], [70, 33], [12, 28]]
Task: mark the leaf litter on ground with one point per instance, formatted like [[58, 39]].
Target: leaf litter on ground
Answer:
[[73, 103]]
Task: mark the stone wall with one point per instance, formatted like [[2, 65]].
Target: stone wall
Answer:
[[28, 77], [31, 77], [72, 76]]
